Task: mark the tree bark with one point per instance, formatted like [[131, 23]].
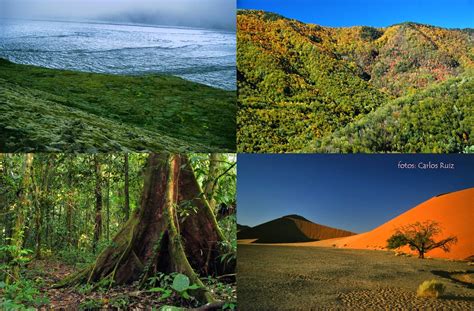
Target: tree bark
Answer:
[[209, 187], [126, 190], [20, 209], [98, 204], [4, 200], [42, 200], [71, 240], [153, 239], [204, 252], [421, 253]]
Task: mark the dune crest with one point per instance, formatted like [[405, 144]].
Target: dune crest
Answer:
[[451, 210], [290, 229]]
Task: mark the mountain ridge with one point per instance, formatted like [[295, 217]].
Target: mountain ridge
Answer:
[[274, 15], [300, 82]]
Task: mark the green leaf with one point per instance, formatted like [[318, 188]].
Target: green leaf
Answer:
[[171, 308], [229, 305], [166, 294], [194, 286], [185, 295], [180, 282]]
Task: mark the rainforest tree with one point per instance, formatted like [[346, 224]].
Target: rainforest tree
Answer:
[[118, 221]]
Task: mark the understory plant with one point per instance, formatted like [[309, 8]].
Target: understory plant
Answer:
[[172, 284], [20, 295]]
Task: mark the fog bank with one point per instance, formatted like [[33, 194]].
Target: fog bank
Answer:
[[216, 14]]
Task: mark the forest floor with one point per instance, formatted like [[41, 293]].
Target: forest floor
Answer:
[[51, 272], [47, 273], [288, 278]]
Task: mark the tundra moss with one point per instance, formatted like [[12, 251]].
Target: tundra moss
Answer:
[[56, 110]]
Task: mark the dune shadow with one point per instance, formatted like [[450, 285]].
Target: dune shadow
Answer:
[[281, 230], [284, 231], [450, 276]]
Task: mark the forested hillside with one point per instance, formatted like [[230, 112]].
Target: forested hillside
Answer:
[[439, 119], [117, 231], [301, 83]]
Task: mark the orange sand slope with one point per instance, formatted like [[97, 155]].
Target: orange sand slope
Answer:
[[290, 229], [453, 211]]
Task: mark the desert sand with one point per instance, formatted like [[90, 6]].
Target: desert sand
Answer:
[[290, 229], [453, 211], [320, 278]]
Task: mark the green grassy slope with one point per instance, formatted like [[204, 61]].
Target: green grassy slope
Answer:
[[28, 122], [109, 112], [300, 83]]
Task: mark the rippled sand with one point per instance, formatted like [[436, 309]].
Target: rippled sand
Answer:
[[317, 278]]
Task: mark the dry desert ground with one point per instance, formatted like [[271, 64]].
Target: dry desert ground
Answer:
[[301, 278]]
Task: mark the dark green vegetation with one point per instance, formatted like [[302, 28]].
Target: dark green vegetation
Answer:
[[303, 278], [62, 215], [290, 229], [438, 119], [307, 88], [54, 110]]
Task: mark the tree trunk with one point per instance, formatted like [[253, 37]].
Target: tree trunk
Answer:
[[69, 217], [153, 240], [126, 205], [42, 201], [209, 187], [38, 218], [70, 203], [98, 204], [20, 209], [204, 252], [4, 200]]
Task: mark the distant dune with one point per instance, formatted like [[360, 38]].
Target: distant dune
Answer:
[[453, 211], [290, 229], [242, 227]]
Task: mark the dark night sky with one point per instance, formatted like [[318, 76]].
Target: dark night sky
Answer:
[[377, 13], [352, 192]]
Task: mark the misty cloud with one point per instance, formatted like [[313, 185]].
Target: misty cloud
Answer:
[[192, 13]]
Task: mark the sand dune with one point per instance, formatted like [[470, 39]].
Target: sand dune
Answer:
[[290, 229], [242, 227], [453, 211]]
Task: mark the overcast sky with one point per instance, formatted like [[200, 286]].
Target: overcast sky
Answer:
[[193, 13]]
